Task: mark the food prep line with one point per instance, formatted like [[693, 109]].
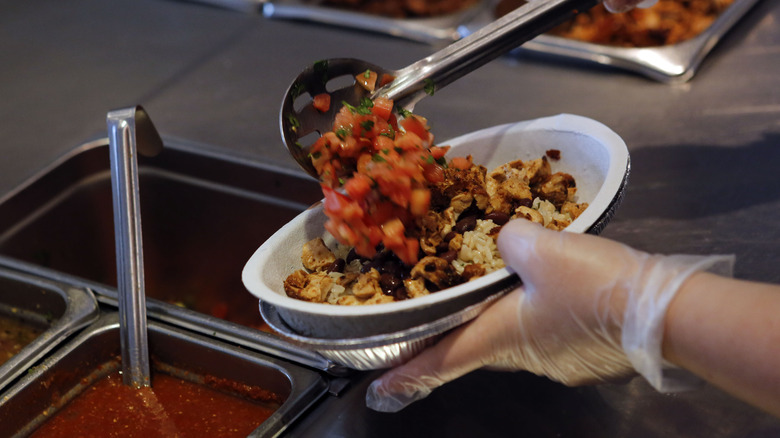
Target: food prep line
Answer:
[[704, 157]]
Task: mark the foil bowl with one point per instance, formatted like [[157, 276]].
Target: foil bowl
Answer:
[[595, 155], [379, 351]]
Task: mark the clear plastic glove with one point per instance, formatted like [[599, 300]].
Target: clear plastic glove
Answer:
[[591, 310], [627, 5]]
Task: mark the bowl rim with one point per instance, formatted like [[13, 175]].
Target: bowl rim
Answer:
[[253, 271]]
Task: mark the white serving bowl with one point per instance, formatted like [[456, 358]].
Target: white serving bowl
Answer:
[[593, 154]]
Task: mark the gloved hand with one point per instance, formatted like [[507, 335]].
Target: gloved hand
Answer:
[[627, 5], [590, 310]]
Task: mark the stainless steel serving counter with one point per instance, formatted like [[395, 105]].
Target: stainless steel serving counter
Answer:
[[704, 179]]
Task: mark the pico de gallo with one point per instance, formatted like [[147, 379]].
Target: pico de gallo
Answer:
[[385, 161]]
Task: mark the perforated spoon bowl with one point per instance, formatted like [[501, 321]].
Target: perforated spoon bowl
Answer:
[[300, 121]]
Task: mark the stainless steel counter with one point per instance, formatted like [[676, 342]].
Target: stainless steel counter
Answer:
[[704, 178]]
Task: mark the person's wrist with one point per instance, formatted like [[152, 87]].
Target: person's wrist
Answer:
[[663, 280]]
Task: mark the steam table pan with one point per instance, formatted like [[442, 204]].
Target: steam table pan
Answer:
[[203, 214], [671, 64], [57, 309], [674, 63], [92, 355]]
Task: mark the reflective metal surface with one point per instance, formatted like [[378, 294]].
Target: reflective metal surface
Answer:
[[415, 81], [57, 308], [436, 30], [130, 132], [89, 357], [204, 214], [703, 175], [379, 351], [672, 64]]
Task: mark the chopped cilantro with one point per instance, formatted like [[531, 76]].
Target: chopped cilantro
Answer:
[[367, 124], [367, 74], [378, 158], [365, 106], [321, 68], [294, 123], [351, 107], [296, 90], [429, 87], [403, 112], [315, 155], [364, 109], [390, 133]]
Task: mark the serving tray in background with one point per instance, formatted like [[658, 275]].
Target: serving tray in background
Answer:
[[673, 63], [441, 29], [669, 64]]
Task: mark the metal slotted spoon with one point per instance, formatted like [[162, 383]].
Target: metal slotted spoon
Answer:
[[300, 122]]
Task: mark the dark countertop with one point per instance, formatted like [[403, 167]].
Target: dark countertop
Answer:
[[704, 165]]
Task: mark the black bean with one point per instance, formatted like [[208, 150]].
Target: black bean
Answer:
[[449, 236], [352, 255], [400, 293], [449, 256], [498, 217], [468, 223], [338, 265], [525, 203], [389, 283], [392, 267]]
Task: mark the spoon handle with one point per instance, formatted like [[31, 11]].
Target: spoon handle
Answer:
[[130, 132], [467, 54]]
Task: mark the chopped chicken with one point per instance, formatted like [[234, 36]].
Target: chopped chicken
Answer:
[[473, 270], [415, 287], [573, 209], [312, 287], [556, 188], [530, 214], [436, 271], [457, 236], [367, 285], [316, 255]]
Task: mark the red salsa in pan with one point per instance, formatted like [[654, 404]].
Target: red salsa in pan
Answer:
[[173, 407]]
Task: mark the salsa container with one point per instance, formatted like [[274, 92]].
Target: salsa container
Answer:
[[59, 309], [92, 355], [592, 153], [203, 215]]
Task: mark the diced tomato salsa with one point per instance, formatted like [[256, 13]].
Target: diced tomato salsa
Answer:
[[385, 166]]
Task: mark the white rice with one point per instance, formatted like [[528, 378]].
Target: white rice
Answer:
[[479, 247]]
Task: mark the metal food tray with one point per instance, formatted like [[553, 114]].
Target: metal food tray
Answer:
[[669, 64], [385, 350], [435, 30], [92, 355], [62, 309], [57, 225], [674, 63]]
